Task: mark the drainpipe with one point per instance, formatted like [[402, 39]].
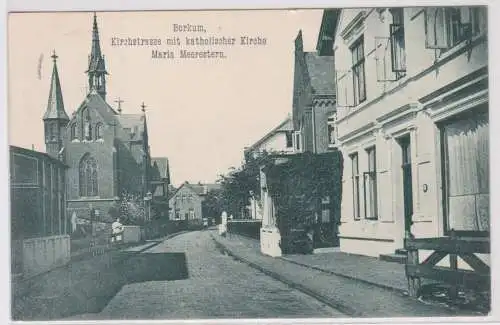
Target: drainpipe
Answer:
[[313, 128]]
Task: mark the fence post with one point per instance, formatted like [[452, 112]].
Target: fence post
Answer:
[[453, 267], [413, 281]]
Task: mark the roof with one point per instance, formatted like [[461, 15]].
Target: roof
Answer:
[[37, 154], [321, 70], [163, 167], [94, 101], [324, 45], [134, 122], [284, 126], [55, 105], [199, 188], [203, 189]]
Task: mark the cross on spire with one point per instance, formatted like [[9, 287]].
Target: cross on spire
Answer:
[[119, 101], [54, 55], [143, 107]]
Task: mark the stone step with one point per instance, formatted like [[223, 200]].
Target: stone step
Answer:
[[396, 258]]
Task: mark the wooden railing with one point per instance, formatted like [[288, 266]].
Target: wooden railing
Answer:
[[454, 247]]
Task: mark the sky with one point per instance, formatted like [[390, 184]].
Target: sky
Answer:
[[201, 112]]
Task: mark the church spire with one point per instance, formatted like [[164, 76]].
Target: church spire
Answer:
[[97, 66], [55, 118], [55, 105]]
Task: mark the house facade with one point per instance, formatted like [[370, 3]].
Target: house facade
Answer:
[[277, 141], [107, 152], [313, 116], [187, 202], [313, 98], [412, 125]]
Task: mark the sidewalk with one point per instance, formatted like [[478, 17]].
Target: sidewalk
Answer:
[[349, 295], [82, 286], [379, 273]]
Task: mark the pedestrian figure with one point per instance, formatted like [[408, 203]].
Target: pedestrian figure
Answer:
[[116, 231]]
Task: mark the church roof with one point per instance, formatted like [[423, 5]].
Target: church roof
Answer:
[[133, 124], [55, 105], [162, 163], [95, 101], [321, 73]]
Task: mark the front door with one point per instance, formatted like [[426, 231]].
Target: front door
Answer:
[[407, 183]]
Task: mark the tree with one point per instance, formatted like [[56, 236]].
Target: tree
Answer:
[[130, 209], [241, 184], [212, 206]]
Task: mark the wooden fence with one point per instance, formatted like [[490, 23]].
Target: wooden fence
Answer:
[[454, 247]]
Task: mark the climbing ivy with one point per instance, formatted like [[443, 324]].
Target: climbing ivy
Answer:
[[297, 184]]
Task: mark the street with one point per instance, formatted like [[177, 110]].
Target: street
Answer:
[[189, 277]]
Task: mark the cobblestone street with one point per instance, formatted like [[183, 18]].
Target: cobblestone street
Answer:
[[209, 285]]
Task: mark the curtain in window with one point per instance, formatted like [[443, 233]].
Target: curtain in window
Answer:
[[467, 150]]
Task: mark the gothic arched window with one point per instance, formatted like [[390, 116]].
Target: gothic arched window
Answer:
[[88, 176], [87, 127], [73, 131], [98, 131]]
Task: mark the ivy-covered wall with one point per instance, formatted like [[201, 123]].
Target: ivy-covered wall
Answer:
[[298, 183]]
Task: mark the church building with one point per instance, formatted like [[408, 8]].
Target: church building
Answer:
[[107, 152]]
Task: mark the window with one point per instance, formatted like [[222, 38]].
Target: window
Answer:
[[73, 131], [465, 147], [289, 139], [355, 185], [370, 186], [53, 132], [88, 176], [358, 70], [448, 26], [397, 35], [332, 132], [98, 131], [297, 141]]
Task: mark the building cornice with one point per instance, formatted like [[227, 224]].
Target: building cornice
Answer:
[[354, 24]]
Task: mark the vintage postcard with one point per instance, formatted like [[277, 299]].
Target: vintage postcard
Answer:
[[327, 163]]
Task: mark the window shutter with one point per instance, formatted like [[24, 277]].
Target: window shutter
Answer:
[[436, 28], [345, 91], [383, 59]]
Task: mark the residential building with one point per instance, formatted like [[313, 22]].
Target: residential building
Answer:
[[312, 105], [313, 99], [278, 141], [412, 122], [107, 152], [160, 181], [187, 202], [39, 227]]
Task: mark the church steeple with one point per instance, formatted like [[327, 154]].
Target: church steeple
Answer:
[[97, 66], [55, 118]]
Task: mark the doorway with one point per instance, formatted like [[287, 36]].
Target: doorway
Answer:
[[405, 144]]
